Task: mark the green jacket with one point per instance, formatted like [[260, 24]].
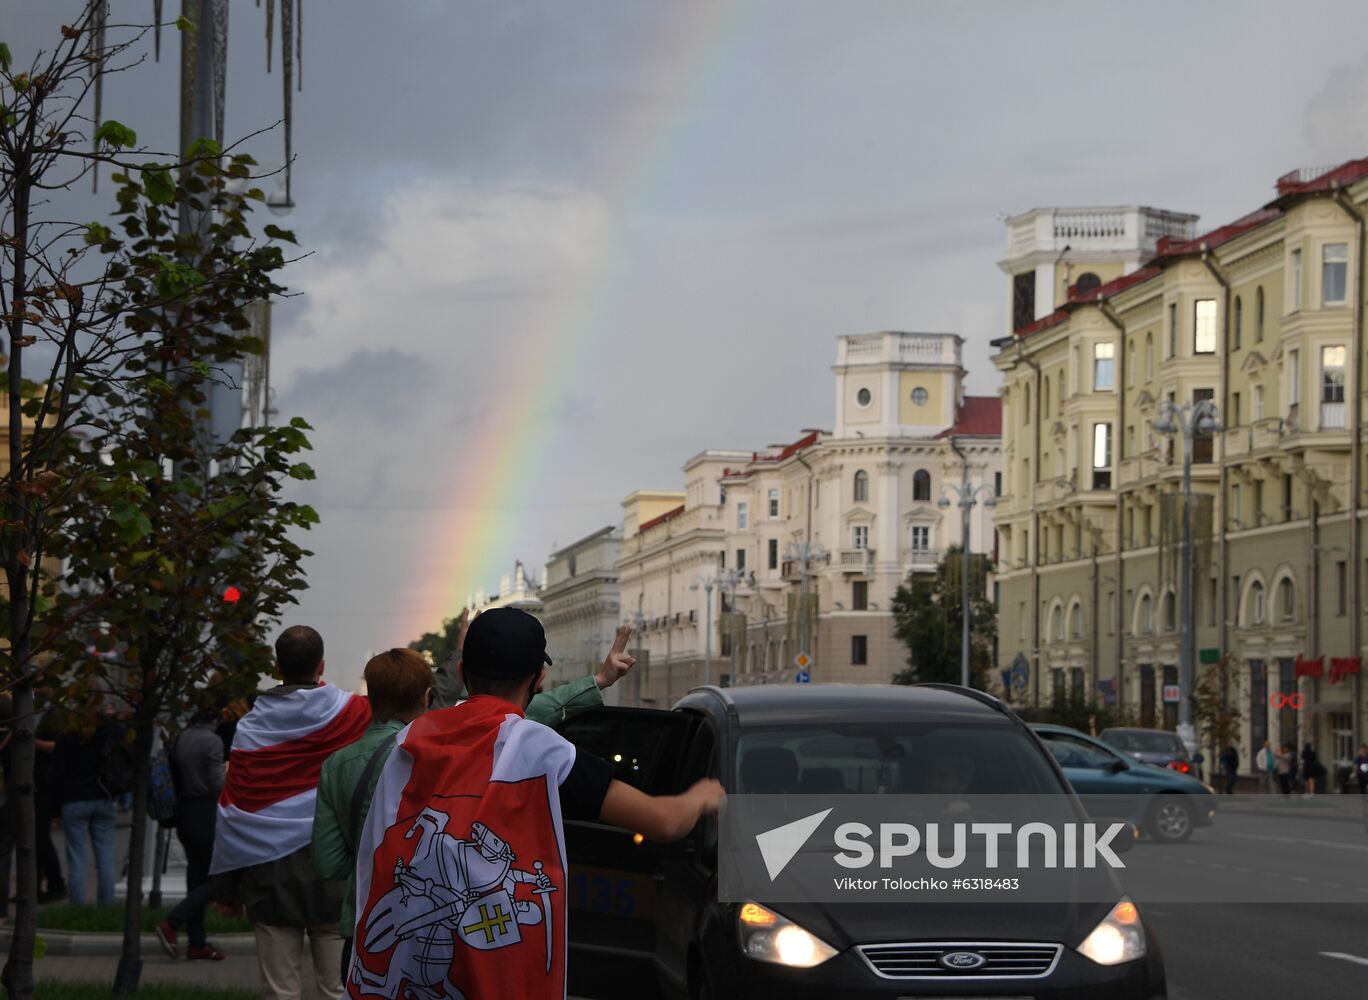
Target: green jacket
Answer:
[[336, 832]]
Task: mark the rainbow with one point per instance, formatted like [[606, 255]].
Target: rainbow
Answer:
[[513, 448]]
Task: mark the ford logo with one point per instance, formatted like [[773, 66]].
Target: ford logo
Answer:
[[963, 961]]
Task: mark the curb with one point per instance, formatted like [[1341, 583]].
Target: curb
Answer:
[[89, 944], [1339, 815]]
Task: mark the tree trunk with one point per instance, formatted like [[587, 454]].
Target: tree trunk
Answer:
[[130, 959]]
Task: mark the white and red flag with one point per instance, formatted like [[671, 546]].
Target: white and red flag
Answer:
[[460, 878], [266, 809]]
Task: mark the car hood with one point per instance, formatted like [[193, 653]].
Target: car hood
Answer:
[[845, 924]]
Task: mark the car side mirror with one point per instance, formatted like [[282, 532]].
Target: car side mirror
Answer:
[[1116, 767]]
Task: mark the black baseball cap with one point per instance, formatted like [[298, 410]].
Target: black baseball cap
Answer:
[[504, 644]]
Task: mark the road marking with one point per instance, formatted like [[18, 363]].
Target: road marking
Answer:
[[1298, 878], [1245, 871], [1213, 864], [1356, 959], [1333, 885], [1300, 840]]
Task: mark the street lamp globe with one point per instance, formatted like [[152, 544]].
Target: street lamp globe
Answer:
[[943, 503]]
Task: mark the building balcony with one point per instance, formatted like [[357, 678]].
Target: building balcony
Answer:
[[1332, 416], [857, 561], [923, 560]]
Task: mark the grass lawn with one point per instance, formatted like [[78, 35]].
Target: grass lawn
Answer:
[[100, 991], [109, 919]]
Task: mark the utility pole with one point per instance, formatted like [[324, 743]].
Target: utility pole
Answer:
[[804, 553], [968, 496], [729, 579], [639, 620], [1187, 420]]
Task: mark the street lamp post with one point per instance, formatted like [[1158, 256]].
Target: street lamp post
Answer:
[[707, 583], [729, 579], [639, 620], [805, 552], [968, 496], [1187, 420]]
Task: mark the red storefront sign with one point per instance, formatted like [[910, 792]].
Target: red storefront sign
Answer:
[[1344, 666], [1310, 668]]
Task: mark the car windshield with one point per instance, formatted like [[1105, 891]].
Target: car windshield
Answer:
[[894, 758], [1144, 742]]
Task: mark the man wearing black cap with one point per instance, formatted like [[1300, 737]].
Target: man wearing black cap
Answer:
[[461, 872]]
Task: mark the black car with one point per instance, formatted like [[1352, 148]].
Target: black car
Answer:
[[644, 919]]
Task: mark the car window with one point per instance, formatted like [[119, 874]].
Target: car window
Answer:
[[894, 758], [1144, 742], [1073, 752], [644, 747]]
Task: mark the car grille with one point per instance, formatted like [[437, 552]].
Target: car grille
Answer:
[[923, 960]]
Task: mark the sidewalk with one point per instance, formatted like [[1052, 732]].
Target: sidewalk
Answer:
[[1344, 808]]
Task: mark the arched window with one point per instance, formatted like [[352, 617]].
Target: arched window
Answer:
[[1239, 321], [1146, 615], [1258, 315], [1170, 612], [862, 487], [1287, 600], [1149, 357], [1076, 621], [1087, 282], [1045, 395], [1057, 623], [1256, 603], [921, 486], [1061, 391]]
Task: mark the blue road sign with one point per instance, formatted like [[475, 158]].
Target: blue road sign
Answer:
[[803, 677]]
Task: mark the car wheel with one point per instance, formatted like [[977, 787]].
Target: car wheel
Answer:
[[1170, 819]]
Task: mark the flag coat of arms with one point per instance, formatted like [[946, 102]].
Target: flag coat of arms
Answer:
[[460, 879], [266, 808]]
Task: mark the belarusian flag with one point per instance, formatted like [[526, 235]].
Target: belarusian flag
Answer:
[[266, 808], [460, 878]]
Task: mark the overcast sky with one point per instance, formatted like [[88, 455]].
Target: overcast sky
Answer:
[[560, 247]]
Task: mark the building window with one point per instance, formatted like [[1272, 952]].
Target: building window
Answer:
[[1045, 394], [1256, 603], [1111, 612], [1287, 600], [1334, 273], [1130, 362], [859, 595], [1204, 326], [1102, 456], [1257, 488], [859, 536], [1057, 624], [1130, 442], [1023, 299], [1332, 387], [1258, 315], [1293, 377], [741, 560], [1146, 615], [742, 516], [774, 553], [1173, 329], [1104, 367], [1076, 621], [1077, 372], [1203, 444], [1341, 588], [1059, 406], [1021, 621], [1296, 281], [919, 396], [1149, 357], [862, 487], [1025, 404], [1235, 509], [859, 650], [1087, 282], [863, 398], [1170, 612], [921, 538], [1258, 402], [1234, 409], [773, 503], [921, 486], [1287, 496], [1239, 323]]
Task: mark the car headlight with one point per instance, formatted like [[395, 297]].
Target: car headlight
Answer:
[[1119, 937], [768, 937]]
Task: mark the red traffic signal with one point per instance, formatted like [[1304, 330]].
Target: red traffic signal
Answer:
[[232, 595]]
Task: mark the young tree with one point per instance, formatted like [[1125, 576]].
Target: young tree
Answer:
[[926, 616], [85, 303]]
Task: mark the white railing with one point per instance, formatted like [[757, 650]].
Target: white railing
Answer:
[[923, 559], [920, 347], [1089, 225], [857, 560], [868, 344]]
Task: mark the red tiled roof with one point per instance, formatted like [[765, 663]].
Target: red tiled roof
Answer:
[[979, 416], [1309, 181], [1115, 286], [669, 515], [1044, 323], [1168, 247]]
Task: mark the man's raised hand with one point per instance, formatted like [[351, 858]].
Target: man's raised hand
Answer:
[[618, 662]]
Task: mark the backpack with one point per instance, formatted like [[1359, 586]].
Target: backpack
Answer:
[[118, 768], [161, 790]]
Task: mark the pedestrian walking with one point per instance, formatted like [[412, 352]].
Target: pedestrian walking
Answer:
[[197, 764], [90, 765], [1266, 763], [1286, 769], [1361, 768], [1312, 771], [261, 857], [399, 685], [465, 832], [46, 806], [1230, 768]]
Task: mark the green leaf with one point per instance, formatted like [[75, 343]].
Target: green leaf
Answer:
[[184, 23], [159, 184], [276, 233], [4, 57], [115, 134], [299, 423], [302, 470], [96, 233], [202, 148]]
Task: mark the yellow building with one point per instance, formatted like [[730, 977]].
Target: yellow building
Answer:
[[1264, 317]]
